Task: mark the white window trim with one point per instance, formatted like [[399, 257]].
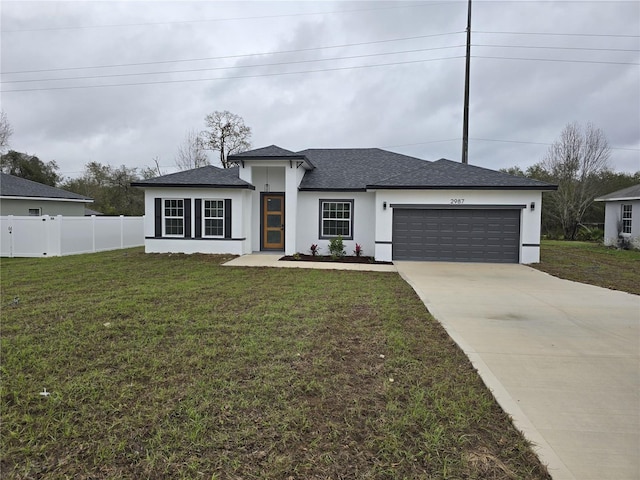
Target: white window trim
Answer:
[[165, 217], [350, 219], [38, 214], [205, 218], [627, 220]]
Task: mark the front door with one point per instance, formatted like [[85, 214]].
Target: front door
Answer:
[[273, 221]]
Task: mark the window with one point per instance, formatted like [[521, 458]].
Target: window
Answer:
[[336, 217], [35, 212], [626, 218], [174, 217], [213, 218]]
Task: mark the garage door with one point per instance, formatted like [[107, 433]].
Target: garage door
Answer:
[[456, 235]]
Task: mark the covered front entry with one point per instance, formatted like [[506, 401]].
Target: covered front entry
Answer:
[[272, 221], [457, 235]]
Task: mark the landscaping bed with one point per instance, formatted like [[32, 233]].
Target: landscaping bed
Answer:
[[328, 258]]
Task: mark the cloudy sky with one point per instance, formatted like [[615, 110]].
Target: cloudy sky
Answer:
[[122, 82]]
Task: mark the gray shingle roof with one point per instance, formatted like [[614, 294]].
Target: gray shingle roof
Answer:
[[353, 168], [11, 186], [629, 193], [203, 177], [449, 174], [270, 151]]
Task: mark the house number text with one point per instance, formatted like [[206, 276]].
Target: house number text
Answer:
[[457, 201]]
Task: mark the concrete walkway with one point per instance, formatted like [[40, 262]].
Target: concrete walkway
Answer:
[[562, 358], [272, 260]]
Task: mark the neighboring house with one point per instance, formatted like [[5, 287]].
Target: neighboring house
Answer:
[[19, 196], [395, 206], [622, 216]]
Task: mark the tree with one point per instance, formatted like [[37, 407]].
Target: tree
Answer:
[[5, 131], [192, 154], [226, 134], [29, 167], [110, 189], [576, 163]]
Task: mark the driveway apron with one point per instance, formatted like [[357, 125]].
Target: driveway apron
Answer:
[[562, 358]]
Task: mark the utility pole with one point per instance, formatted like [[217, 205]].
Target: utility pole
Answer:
[[465, 122]]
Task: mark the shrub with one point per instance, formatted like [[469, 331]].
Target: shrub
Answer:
[[358, 251], [314, 249], [336, 247]]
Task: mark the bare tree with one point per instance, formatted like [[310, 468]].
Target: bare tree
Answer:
[[191, 153], [151, 172], [575, 162], [226, 134], [5, 131]]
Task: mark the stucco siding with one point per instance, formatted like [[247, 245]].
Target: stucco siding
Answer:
[[613, 222], [47, 207], [238, 244], [364, 219]]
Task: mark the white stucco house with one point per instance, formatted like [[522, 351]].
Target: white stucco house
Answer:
[[22, 197], [622, 216], [395, 206]]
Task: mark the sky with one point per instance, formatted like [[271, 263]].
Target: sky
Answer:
[[121, 83]]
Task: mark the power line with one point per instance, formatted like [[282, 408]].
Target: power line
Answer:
[[232, 67], [555, 60], [560, 48], [257, 17], [561, 34], [492, 140], [232, 78], [233, 56]]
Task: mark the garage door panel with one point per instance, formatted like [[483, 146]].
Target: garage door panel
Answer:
[[456, 235]]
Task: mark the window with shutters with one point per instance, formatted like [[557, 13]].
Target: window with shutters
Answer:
[[213, 218], [173, 217]]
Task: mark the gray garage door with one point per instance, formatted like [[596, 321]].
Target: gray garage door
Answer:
[[453, 235]]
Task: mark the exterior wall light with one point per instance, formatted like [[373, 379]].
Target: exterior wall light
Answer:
[[533, 206], [384, 205]]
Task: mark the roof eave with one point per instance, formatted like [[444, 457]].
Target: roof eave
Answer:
[[617, 199], [315, 189], [459, 187], [188, 185], [48, 199]]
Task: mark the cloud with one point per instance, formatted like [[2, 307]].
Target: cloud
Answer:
[[420, 103]]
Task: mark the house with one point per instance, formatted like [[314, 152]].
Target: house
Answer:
[[395, 206], [622, 216], [19, 196]]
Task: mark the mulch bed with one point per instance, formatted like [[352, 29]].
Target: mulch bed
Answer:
[[329, 258]]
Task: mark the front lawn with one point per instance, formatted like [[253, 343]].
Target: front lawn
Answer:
[[171, 366], [591, 263]]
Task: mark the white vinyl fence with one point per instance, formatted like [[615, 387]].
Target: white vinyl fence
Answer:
[[47, 236]]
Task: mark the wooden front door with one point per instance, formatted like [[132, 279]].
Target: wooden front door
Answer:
[[273, 221]]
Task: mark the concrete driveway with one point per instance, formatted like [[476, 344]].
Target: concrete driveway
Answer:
[[562, 358]]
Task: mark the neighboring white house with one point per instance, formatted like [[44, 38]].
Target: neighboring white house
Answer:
[[622, 216], [395, 206], [22, 197]]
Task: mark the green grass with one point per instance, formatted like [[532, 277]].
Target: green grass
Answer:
[[171, 366], [591, 263]]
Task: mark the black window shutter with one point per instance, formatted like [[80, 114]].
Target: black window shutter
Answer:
[[227, 218], [187, 218], [158, 216], [198, 215]]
